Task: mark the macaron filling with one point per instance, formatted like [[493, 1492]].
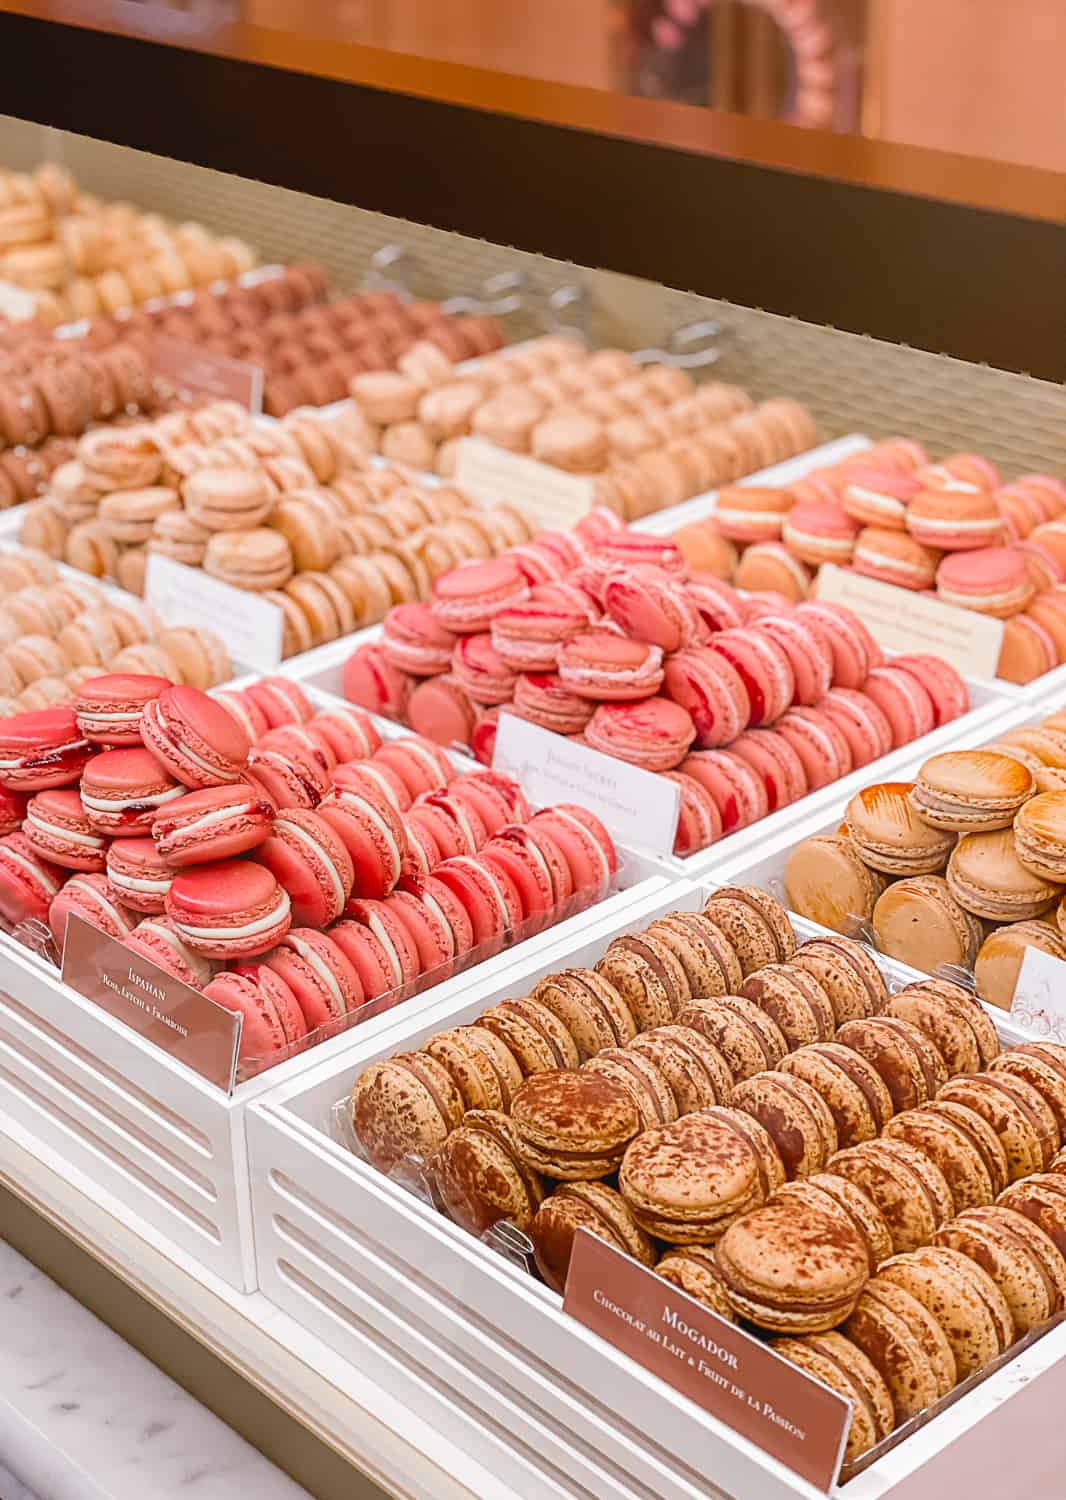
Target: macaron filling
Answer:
[[142, 801], [91, 840], [279, 910], [154, 713], [49, 757], [34, 871]]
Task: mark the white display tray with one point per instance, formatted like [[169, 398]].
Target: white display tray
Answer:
[[352, 1256], [168, 1145]]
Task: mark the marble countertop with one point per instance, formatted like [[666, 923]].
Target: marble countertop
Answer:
[[83, 1416]]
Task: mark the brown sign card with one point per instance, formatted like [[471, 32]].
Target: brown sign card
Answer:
[[201, 372], [796, 1420], [171, 1015]]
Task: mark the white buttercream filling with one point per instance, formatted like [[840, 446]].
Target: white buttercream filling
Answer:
[[94, 716], [969, 601], [209, 820], [320, 967], [303, 837], [180, 745], [41, 876], [843, 545], [91, 840], [890, 564], [388, 792], [948, 523], [119, 804], [250, 929], [875, 500], [749, 517], [133, 883], [386, 942], [541, 652]]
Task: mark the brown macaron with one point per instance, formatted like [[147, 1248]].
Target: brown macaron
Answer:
[[848, 973], [981, 1136], [954, 1150], [590, 1008], [906, 1185], [1018, 1114], [843, 1200], [757, 927], [827, 882], [963, 1299], [645, 1082], [890, 836], [1043, 1065], [748, 1039], [694, 1269], [851, 1087], [905, 1344], [1041, 1198], [1017, 1255], [795, 1000], [686, 1182], [478, 1175], [696, 1071], [1001, 955], [794, 1115], [583, 1205], [703, 950], [404, 1106], [917, 921], [573, 1125], [909, 1064], [792, 1268], [482, 1068], [649, 978], [537, 1039], [841, 1365], [953, 1020]]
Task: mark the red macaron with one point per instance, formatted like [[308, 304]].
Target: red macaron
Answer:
[[194, 737], [317, 972], [273, 1024], [28, 884], [42, 749], [58, 829], [311, 862], [373, 834], [218, 822], [233, 909]]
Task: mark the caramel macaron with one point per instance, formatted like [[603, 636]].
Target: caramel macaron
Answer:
[[1043, 1065], [961, 1297], [644, 1081], [888, 834], [953, 1020], [952, 1146], [756, 925], [750, 1041], [1019, 1115], [591, 1009], [534, 1035], [840, 1364], [828, 883], [695, 1270], [794, 1115], [1017, 1255], [406, 1105], [704, 951], [649, 978], [1040, 836], [908, 1062], [987, 878], [573, 1125], [695, 1069], [841, 1199], [905, 1344], [482, 1068], [1042, 1199], [852, 1088], [583, 1205], [1001, 955], [917, 921], [906, 1185], [971, 791], [478, 1176], [792, 1268], [848, 973], [794, 1000]]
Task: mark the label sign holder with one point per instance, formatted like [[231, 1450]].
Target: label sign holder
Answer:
[[160, 1008], [1039, 1001], [250, 627], [546, 496], [192, 370]]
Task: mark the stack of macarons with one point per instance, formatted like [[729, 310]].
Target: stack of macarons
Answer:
[[963, 868], [726, 1138], [891, 514], [746, 702], [56, 631]]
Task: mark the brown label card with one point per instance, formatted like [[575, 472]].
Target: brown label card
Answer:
[[193, 371], [796, 1420], [171, 1015]]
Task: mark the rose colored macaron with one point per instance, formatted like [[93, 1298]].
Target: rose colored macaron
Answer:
[[421, 764], [954, 522], [109, 708], [808, 652], [319, 974], [487, 894], [292, 778], [946, 688], [894, 557], [372, 682], [281, 701], [654, 733], [738, 791], [994, 581], [393, 936], [232, 909], [122, 790], [272, 1021], [465, 599], [218, 822], [42, 749], [156, 938], [28, 884], [903, 700], [247, 714], [310, 861], [139, 874], [440, 710], [610, 668], [415, 641], [194, 738], [93, 898], [711, 690], [652, 606], [373, 835], [851, 648], [584, 843], [349, 732], [764, 668]]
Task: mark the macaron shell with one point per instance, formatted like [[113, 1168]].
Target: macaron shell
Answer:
[[312, 864], [325, 984], [215, 823], [194, 737], [232, 909]]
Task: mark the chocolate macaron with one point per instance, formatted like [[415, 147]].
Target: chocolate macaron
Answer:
[[794, 1115], [841, 1365], [905, 1344], [704, 951], [591, 1009], [750, 1041], [909, 1064], [955, 1149], [1018, 1114], [905, 1184], [648, 976], [644, 1081], [843, 1200], [1043, 1065], [852, 1088], [848, 973], [795, 1000], [1017, 1255], [536, 1038], [756, 925], [478, 1175], [584, 1205], [963, 1299], [1041, 1198], [404, 1106], [482, 1068], [695, 1270], [954, 1021], [574, 1125], [696, 1071]]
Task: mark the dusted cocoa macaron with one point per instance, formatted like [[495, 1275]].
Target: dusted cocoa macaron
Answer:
[[686, 1182], [705, 953], [791, 1268], [478, 1176], [905, 1184], [843, 1200], [584, 1205], [795, 1000], [954, 1150], [1017, 1255], [979, 1133], [573, 1125], [696, 1071], [852, 1088], [1043, 1065], [909, 1064], [748, 1039], [591, 1009], [1041, 1198], [649, 978], [404, 1106], [794, 1115], [1018, 1114], [536, 1038], [906, 1346], [644, 1081], [757, 926], [953, 1020], [695, 1270], [482, 1068], [841, 1365], [964, 1300], [848, 973]]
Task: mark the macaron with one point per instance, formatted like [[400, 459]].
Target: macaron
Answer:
[[794, 1115], [215, 823], [763, 666], [799, 1288], [58, 829], [952, 522], [484, 1071], [478, 1176], [465, 599], [840, 1364], [955, 1150], [1001, 955], [750, 1041], [654, 734], [293, 777], [894, 557], [848, 1205], [230, 909], [311, 863], [694, 1270], [986, 877], [755, 923], [650, 979], [421, 764], [406, 1105], [534, 1035], [919, 922], [853, 1090], [156, 938], [1043, 1065], [373, 835], [584, 843], [696, 1071], [954, 1021], [108, 709], [849, 974], [738, 791], [488, 895], [349, 732], [843, 634], [642, 1079], [907, 1060], [884, 826], [877, 496], [594, 1207], [704, 952], [650, 605], [93, 898], [1018, 1257], [373, 683], [139, 874], [573, 1125], [316, 970], [42, 749], [272, 1023], [993, 581], [827, 882], [905, 1345], [905, 1184], [946, 688], [414, 641], [780, 767], [193, 738], [712, 692], [971, 791], [592, 1010], [1019, 1115], [280, 701], [427, 928], [383, 968], [795, 1000], [392, 933]]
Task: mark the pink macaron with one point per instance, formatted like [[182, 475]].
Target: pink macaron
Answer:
[[13, 809], [498, 799], [821, 745], [373, 834], [719, 604], [122, 790], [772, 757], [281, 701], [562, 594], [233, 909], [877, 495], [904, 702], [820, 532], [764, 668], [42, 749], [843, 637], [610, 668], [528, 636], [457, 825], [946, 688], [156, 938], [93, 898], [630, 549], [109, 708], [652, 605], [288, 779], [422, 854], [487, 894], [466, 598], [480, 670], [28, 883], [272, 1023], [421, 764], [751, 513], [299, 739], [711, 691], [349, 732], [319, 974], [537, 564], [699, 822], [247, 714], [862, 723], [414, 641], [428, 930], [392, 935], [738, 791], [194, 738], [218, 822], [378, 971], [808, 654], [378, 782], [537, 866], [59, 831], [545, 699], [583, 842], [440, 710], [139, 874], [894, 557], [307, 856], [654, 733], [952, 522], [373, 683], [994, 581], [483, 739], [1027, 652]]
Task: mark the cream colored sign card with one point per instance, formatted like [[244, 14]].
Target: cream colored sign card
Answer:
[[250, 627], [1039, 1002], [547, 497]]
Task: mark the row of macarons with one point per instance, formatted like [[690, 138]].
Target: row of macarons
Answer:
[[964, 867]]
